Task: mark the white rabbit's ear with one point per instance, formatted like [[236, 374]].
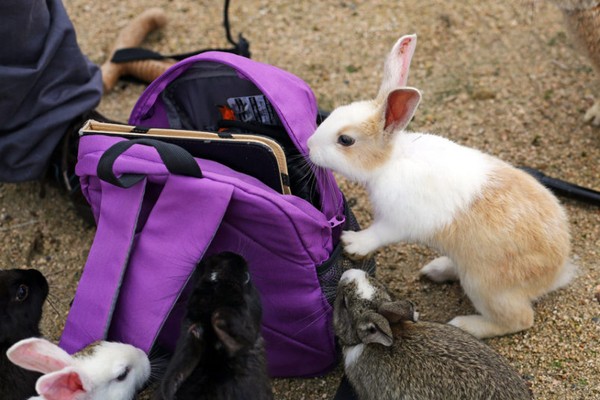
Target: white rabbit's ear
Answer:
[[65, 384], [400, 106], [397, 65], [39, 355]]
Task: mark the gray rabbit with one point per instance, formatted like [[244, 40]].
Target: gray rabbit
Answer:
[[388, 355]]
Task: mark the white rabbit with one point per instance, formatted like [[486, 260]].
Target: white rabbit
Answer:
[[106, 370], [504, 236]]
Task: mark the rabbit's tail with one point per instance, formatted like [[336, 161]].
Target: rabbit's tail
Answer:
[[566, 275]]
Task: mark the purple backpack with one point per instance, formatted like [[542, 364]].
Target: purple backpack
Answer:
[[155, 221]]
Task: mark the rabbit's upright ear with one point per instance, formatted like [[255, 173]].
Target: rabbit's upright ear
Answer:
[[189, 352], [374, 328], [65, 384], [397, 65], [231, 330], [396, 311], [38, 354], [400, 106]]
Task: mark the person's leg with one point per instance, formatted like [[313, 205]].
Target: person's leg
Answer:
[[45, 84]]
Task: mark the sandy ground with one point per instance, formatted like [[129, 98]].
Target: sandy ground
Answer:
[[502, 77]]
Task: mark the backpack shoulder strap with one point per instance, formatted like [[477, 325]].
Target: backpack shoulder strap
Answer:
[[106, 263], [134, 274]]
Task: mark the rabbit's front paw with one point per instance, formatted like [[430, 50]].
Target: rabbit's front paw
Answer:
[[593, 114], [358, 244], [441, 269]]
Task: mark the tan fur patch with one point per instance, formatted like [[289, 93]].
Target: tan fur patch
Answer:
[[372, 148], [89, 350], [514, 237]]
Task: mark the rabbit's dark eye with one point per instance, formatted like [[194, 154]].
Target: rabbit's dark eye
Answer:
[[123, 375], [345, 140], [22, 293]]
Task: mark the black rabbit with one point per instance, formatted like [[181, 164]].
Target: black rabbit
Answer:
[[220, 352], [22, 295]]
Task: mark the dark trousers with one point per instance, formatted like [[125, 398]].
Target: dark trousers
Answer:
[[45, 83]]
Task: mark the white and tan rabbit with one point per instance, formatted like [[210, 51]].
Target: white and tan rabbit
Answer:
[[582, 18], [388, 355], [502, 234]]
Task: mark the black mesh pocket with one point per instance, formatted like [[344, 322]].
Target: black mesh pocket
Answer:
[[330, 271]]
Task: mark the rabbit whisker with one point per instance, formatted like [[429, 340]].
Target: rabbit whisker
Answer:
[[50, 300], [311, 323]]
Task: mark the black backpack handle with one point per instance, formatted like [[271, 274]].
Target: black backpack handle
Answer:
[[177, 160]]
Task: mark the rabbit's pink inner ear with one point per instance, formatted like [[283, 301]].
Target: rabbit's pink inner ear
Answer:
[[61, 385], [400, 107], [404, 52], [397, 65], [38, 355]]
